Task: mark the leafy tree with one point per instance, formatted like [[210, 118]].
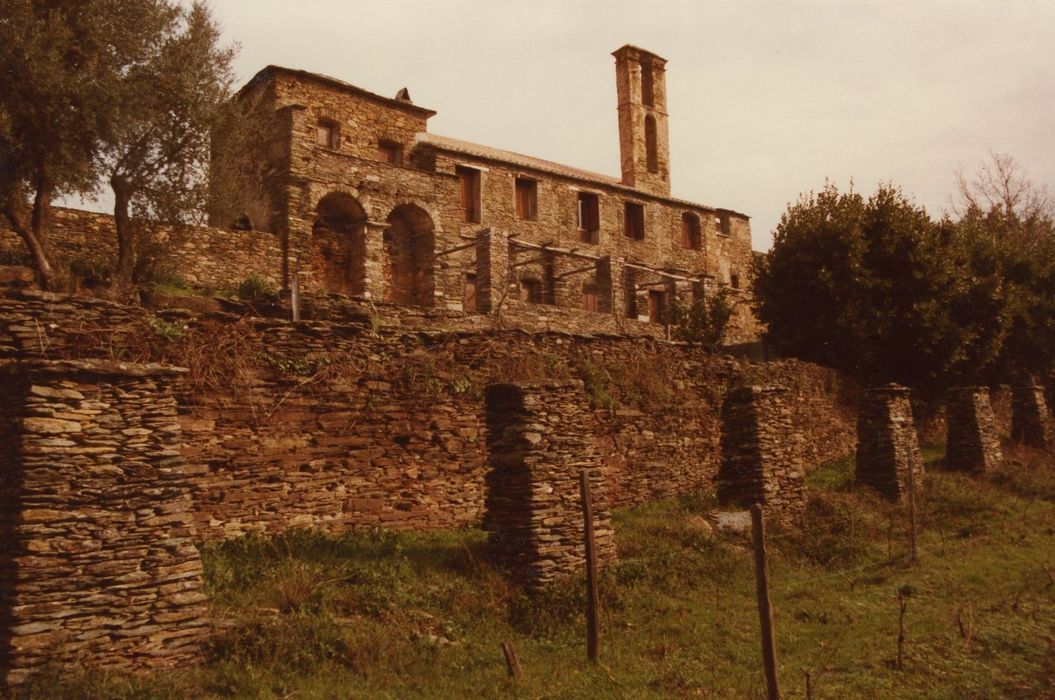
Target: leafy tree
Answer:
[[874, 288], [704, 320], [102, 88], [1008, 221], [156, 156]]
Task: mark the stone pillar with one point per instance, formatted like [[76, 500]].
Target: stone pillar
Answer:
[[492, 270], [1030, 423], [760, 452], [972, 443], [374, 262], [539, 436], [98, 566], [610, 295], [887, 445]]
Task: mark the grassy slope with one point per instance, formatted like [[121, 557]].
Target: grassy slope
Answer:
[[382, 615]]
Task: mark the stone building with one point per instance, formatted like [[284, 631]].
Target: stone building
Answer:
[[366, 202]]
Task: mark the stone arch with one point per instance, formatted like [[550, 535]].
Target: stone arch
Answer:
[[410, 254], [338, 244]]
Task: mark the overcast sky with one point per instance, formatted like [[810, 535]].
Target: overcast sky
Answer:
[[766, 99]]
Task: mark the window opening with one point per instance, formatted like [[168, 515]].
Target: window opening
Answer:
[[651, 154], [634, 221], [589, 217], [531, 291], [326, 134], [648, 93], [589, 297], [469, 303], [690, 231], [390, 152], [657, 305], [469, 178], [526, 199]]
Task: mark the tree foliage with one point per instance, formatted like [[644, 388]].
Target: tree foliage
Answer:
[[704, 320], [878, 289], [102, 89], [871, 287]]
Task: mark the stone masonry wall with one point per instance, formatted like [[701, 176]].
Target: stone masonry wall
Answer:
[[760, 452], [99, 564], [338, 425], [973, 443], [887, 445], [539, 435], [1030, 422], [202, 257]]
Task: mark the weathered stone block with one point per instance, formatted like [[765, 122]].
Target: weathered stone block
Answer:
[[1030, 422], [973, 443]]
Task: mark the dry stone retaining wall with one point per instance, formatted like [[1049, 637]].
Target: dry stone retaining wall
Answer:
[[539, 436], [1030, 422], [341, 425], [98, 564], [887, 445], [760, 454], [973, 443]]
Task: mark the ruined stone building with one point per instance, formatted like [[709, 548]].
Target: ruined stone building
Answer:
[[366, 202]]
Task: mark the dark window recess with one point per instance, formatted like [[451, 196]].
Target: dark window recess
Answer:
[[690, 231], [657, 306], [531, 291], [648, 90], [469, 179], [390, 152], [634, 221], [734, 280], [326, 134], [651, 153], [526, 199], [589, 297], [589, 217], [722, 224], [470, 292]]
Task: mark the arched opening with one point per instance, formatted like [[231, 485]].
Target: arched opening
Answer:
[[409, 256], [651, 156], [338, 244]]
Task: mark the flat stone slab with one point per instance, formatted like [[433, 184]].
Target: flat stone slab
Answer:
[[737, 522]]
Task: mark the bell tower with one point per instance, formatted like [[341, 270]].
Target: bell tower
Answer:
[[644, 146]]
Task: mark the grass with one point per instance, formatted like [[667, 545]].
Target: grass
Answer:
[[386, 615]]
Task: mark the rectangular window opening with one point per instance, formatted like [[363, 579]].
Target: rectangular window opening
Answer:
[[326, 134], [469, 304], [469, 180], [531, 291], [390, 152], [723, 224], [589, 218], [634, 221], [589, 297], [690, 231], [526, 199], [657, 306]]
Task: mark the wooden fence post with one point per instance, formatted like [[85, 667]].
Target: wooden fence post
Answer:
[[913, 551], [765, 612], [512, 662], [592, 622]]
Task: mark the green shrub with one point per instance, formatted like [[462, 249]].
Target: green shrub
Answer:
[[256, 288]]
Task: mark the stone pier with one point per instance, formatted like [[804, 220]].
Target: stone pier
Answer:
[[973, 444], [1030, 422], [539, 437], [887, 445], [98, 566], [760, 452]]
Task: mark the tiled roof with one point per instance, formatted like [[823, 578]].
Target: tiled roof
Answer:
[[474, 149]]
